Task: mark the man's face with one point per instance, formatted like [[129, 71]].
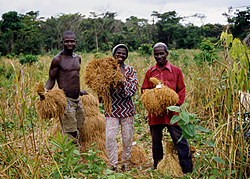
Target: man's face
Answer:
[[160, 55], [69, 42], [121, 55]]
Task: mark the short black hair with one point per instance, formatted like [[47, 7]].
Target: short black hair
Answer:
[[161, 44], [68, 32]]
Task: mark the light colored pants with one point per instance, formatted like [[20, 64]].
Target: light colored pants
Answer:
[[112, 126], [72, 120]]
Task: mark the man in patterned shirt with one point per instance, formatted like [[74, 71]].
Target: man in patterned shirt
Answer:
[[122, 111]]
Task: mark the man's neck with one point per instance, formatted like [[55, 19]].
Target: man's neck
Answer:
[[161, 67], [67, 52]]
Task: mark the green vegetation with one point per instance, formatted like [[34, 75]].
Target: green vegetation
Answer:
[[30, 34], [213, 121]]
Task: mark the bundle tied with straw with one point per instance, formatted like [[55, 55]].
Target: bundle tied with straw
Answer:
[[157, 100], [52, 103], [170, 163], [138, 155], [101, 75]]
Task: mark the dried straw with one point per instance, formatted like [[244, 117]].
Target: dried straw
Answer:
[[54, 103], [157, 100], [101, 75], [138, 155], [94, 130], [170, 163]]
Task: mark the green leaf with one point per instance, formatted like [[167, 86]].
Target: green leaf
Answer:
[[181, 122], [183, 105], [202, 129], [180, 138], [56, 144], [174, 108], [68, 159], [192, 115], [59, 155], [108, 172], [215, 99], [59, 136], [211, 144], [235, 67], [175, 119], [76, 152], [68, 143], [218, 159], [64, 139], [70, 149], [79, 167], [188, 131], [192, 119], [184, 116]]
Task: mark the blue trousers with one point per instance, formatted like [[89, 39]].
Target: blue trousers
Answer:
[[182, 146]]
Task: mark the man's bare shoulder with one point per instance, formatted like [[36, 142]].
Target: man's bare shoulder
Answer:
[[77, 56], [57, 59]]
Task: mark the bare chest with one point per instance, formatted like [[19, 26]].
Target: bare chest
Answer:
[[70, 64]]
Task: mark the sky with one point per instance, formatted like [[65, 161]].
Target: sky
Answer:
[[212, 9]]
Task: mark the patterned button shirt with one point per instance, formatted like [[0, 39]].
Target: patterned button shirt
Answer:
[[122, 103]]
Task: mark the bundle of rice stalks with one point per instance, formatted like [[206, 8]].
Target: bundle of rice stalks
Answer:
[[138, 155], [157, 100], [101, 75], [94, 130], [52, 103], [90, 105], [170, 163]]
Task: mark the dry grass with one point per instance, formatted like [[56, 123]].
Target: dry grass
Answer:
[[22, 133]]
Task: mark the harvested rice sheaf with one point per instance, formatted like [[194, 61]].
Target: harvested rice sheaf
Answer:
[[94, 130], [101, 75], [138, 155], [170, 163], [157, 100], [54, 103]]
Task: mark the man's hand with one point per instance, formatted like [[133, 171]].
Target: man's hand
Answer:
[[83, 93]]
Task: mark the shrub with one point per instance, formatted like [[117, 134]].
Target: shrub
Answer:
[[207, 53], [28, 59], [145, 49], [174, 55]]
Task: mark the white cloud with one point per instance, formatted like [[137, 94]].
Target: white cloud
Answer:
[[213, 9]]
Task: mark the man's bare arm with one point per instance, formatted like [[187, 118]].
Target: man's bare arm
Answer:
[[53, 71]]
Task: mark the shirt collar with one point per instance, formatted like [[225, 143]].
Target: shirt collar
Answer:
[[167, 66]]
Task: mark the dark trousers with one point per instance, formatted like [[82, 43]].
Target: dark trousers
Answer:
[[182, 146]]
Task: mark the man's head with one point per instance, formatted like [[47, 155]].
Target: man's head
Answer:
[[160, 53], [69, 40], [120, 52]]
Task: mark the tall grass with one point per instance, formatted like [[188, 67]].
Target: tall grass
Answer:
[[211, 92]]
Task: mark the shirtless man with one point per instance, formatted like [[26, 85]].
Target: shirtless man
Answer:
[[64, 69]]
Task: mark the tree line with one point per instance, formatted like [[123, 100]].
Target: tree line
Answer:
[[30, 34]]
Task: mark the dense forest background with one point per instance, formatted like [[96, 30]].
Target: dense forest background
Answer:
[[30, 34]]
